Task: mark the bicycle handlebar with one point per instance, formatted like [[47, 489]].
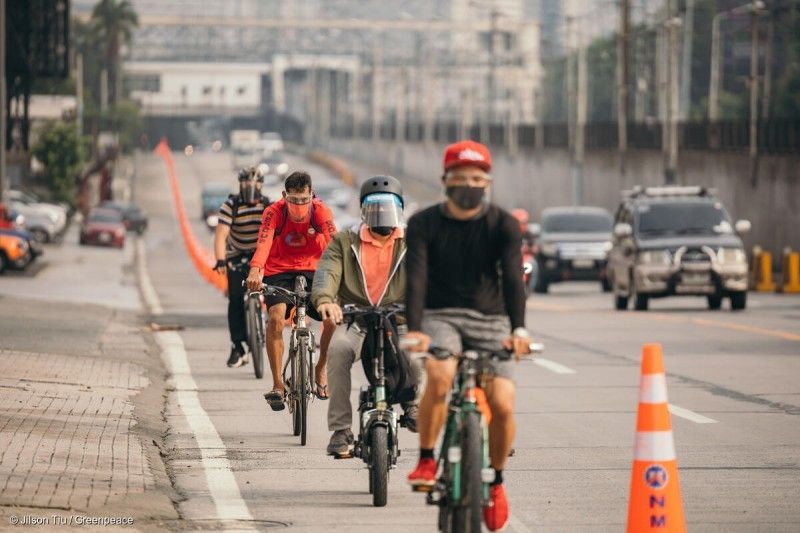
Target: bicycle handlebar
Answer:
[[502, 354], [352, 310]]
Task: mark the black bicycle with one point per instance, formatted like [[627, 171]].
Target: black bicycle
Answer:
[[254, 320], [462, 488], [298, 371], [377, 443]]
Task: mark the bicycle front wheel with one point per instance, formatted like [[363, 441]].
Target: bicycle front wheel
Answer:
[[302, 391], [294, 397], [255, 335], [468, 514], [379, 465]]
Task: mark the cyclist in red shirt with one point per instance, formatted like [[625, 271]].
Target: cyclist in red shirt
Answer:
[[294, 232]]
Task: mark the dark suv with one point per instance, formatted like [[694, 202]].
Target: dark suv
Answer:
[[672, 241], [573, 245]]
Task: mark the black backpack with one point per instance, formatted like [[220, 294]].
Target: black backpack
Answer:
[[400, 382]]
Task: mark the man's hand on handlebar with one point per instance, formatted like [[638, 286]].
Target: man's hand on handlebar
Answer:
[[518, 345], [422, 343], [331, 311], [254, 278], [221, 266]]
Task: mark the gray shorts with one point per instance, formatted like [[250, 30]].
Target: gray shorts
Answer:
[[456, 330]]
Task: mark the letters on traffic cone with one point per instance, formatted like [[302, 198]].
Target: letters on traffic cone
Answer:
[[655, 502]]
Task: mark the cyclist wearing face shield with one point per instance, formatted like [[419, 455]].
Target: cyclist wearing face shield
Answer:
[[235, 239], [294, 232], [362, 265]]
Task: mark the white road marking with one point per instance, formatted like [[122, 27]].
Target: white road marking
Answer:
[[517, 525], [228, 501], [552, 366], [148, 292], [690, 415]]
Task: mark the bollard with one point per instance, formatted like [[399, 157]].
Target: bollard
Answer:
[[764, 281], [791, 272]]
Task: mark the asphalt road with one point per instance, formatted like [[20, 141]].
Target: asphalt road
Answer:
[[732, 381]]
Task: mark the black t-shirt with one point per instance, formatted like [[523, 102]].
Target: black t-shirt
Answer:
[[473, 264]]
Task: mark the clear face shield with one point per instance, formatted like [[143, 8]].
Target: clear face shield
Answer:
[[249, 189], [382, 212]]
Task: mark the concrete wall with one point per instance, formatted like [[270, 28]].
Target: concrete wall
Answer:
[[545, 179]]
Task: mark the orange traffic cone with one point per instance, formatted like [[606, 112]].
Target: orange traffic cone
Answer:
[[655, 503]]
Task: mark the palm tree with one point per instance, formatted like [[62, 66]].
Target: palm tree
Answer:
[[113, 22]]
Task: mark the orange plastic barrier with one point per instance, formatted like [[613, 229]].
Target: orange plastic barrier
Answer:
[[791, 272], [202, 259], [655, 502]]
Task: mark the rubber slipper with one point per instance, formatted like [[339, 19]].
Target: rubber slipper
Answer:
[[321, 390], [275, 400]]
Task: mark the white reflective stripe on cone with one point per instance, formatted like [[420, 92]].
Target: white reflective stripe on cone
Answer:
[[653, 388], [654, 446]]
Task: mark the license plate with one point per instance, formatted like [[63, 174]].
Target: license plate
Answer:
[[583, 263], [695, 278], [105, 237]]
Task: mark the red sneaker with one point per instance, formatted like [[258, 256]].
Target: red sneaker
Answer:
[[495, 515], [424, 475]]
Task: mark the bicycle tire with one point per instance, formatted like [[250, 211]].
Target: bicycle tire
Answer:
[[254, 336], [379, 465], [293, 394], [302, 391], [468, 514]]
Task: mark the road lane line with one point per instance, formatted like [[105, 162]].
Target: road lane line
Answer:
[[697, 418], [222, 486], [517, 525], [148, 291], [748, 329], [552, 366]]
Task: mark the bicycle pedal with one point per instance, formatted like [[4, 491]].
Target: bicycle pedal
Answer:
[[422, 488], [348, 455]]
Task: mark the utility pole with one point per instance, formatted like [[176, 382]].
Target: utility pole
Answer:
[[622, 82], [580, 122], [79, 91], [768, 68], [686, 62], [3, 98], [377, 75], [714, 79], [754, 94], [672, 24]]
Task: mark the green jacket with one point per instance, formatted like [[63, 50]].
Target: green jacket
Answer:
[[340, 277]]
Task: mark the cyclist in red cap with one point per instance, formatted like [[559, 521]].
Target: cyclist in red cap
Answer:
[[465, 291]]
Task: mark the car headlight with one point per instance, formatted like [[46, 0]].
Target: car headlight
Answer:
[[549, 248], [731, 256], [655, 257], [53, 217], [283, 167], [607, 246]]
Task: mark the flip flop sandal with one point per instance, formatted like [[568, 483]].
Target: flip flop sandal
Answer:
[[275, 400], [321, 392]]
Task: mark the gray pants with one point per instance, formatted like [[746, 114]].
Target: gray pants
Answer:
[[343, 352]]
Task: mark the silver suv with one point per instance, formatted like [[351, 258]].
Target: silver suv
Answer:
[[671, 241]]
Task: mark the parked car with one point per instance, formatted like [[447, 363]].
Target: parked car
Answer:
[[103, 227], [573, 245], [15, 251], [27, 198], [212, 197], [132, 215], [271, 141], [334, 194], [45, 224], [671, 241]]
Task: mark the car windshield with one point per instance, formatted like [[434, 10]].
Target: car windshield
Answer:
[[577, 223], [104, 216], [683, 217]]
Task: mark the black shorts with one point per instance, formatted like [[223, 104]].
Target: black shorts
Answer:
[[286, 281]]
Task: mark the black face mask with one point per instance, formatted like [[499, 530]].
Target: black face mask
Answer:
[[383, 231], [466, 197]]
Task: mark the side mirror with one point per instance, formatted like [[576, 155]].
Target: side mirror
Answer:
[[535, 229], [742, 226], [212, 221], [623, 230]]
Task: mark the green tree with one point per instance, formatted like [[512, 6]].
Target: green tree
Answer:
[[61, 150], [124, 118], [112, 23]]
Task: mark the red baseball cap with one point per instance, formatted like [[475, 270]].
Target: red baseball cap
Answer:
[[467, 153]]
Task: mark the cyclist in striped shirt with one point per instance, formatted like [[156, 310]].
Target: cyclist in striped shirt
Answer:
[[235, 240]]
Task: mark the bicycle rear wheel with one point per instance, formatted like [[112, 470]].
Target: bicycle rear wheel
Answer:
[[302, 391], [255, 335], [468, 514], [379, 465]]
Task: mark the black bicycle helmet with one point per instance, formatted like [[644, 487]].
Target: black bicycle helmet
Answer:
[[385, 184]]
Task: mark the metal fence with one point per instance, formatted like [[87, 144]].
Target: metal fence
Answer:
[[774, 136]]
